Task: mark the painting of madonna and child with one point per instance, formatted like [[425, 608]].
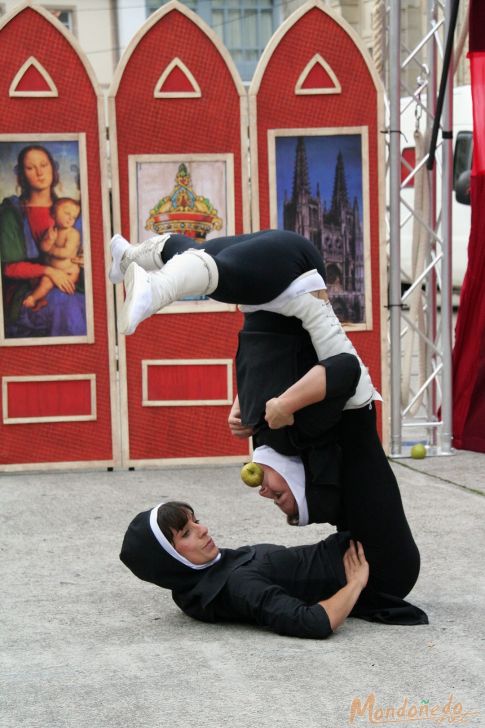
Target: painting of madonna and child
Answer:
[[44, 249], [319, 189]]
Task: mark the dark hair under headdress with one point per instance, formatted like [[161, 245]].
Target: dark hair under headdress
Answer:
[[142, 552]]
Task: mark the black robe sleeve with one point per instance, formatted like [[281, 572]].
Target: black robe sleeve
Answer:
[[251, 597]]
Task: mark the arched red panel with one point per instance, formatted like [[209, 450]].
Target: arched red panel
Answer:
[[177, 98], [49, 97], [315, 95]]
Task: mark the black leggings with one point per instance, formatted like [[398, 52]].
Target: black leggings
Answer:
[[253, 268]]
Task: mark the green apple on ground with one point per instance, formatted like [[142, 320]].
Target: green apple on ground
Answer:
[[418, 451], [252, 474]]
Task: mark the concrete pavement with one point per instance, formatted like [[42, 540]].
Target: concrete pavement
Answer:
[[86, 645]]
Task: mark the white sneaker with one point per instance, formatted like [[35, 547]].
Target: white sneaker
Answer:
[[146, 254], [191, 273], [118, 246], [138, 304]]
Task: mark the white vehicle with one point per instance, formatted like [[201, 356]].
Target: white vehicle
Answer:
[[461, 213]]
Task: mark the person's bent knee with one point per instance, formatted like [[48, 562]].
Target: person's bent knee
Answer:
[[342, 375], [401, 575]]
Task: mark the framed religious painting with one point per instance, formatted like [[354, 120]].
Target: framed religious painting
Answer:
[[46, 291], [319, 188], [186, 194]]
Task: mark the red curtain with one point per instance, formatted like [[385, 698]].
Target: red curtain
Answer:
[[469, 351]]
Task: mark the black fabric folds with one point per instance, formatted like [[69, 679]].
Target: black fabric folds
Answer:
[[388, 609]]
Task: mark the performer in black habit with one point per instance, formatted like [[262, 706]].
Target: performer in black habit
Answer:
[[289, 326], [321, 462], [277, 277], [275, 270], [302, 591]]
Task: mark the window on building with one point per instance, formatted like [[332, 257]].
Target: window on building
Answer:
[[64, 15], [245, 26], [463, 154], [153, 5]]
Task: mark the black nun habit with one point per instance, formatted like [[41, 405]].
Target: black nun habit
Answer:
[[272, 586]]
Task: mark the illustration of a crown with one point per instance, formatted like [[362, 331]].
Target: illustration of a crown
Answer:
[[183, 211]]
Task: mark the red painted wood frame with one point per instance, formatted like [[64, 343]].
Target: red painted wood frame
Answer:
[[177, 97], [58, 396], [315, 76]]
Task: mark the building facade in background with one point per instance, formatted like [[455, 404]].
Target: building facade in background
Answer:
[[105, 27]]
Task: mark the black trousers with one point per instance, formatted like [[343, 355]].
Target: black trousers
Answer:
[[256, 267], [371, 504], [373, 509]]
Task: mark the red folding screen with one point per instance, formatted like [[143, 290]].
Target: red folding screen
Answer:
[[178, 140]]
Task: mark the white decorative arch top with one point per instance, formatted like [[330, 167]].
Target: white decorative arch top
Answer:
[[291, 20], [317, 60], [32, 62], [168, 7], [177, 63]]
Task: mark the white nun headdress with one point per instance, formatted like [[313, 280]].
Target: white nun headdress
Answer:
[[290, 467], [167, 546]]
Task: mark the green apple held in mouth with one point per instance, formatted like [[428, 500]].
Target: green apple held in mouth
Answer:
[[418, 451], [252, 474]]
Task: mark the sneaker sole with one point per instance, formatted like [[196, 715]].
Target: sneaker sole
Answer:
[[137, 303], [118, 247]]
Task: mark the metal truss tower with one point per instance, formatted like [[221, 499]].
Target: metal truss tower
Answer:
[[421, 317]]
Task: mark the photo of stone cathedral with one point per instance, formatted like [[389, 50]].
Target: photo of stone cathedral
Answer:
[[324, 203]]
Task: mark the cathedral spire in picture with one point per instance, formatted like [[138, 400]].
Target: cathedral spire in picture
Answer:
[[334, 227], [301, 180], [340, 200]]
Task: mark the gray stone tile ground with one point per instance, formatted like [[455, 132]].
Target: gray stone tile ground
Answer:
[[466, 469], [86, 645]]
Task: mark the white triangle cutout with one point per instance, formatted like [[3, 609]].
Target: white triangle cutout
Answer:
[[32, 61], [177, 63], [318, 60]]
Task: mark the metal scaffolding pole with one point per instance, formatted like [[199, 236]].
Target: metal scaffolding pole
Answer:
[[426, 416], [446, 282], [431, 312], [395, 220]]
